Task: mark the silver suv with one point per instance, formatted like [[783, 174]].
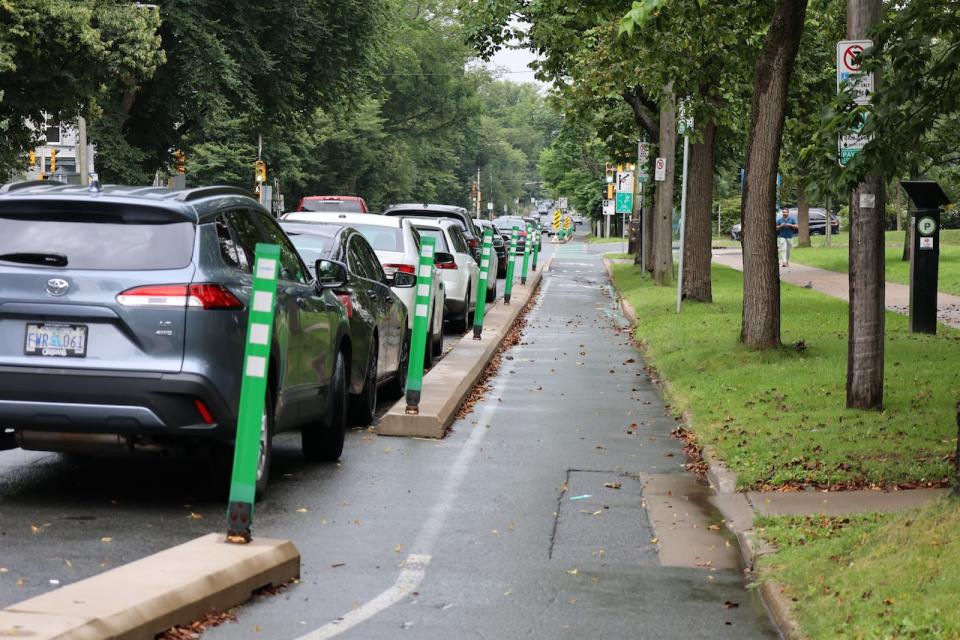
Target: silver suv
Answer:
[[123, 315]]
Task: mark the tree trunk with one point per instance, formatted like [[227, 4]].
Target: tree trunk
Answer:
[[697, 245], [760, 325], [803, 216], [646, 232], [645, 116], [866, 272], [663, 207]]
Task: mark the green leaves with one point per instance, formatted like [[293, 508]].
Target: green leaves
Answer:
[[640, 13]]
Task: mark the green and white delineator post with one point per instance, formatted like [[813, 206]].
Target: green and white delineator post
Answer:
[[252, 417], [511, 265], [538, 230], [421, 318], [485, 249], [527, 250]]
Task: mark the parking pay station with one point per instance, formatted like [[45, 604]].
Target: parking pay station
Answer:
[[928, 199]]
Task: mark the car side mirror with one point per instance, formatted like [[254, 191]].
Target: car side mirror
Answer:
[[442, 257], [330, 273], [404, 280]]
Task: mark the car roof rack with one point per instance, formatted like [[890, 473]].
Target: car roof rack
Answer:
[[196, 193], [10, 187]]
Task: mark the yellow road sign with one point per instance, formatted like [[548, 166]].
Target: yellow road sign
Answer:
[[556, 219], [567, 223]]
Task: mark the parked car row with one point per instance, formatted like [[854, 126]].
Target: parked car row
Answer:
[[123, 317], [817, 223]]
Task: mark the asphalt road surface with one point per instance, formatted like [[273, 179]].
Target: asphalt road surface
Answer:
[[502, 530]]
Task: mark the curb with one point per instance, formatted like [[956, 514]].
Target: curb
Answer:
[[449, 383], [723, 481], [148, 596]]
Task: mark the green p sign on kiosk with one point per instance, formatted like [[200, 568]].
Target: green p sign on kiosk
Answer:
[[421, 318], [251, 419]]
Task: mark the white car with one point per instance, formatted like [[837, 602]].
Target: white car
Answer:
[[577, 219], [459, 270], [397, 245]]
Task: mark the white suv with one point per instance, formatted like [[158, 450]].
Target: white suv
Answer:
[[397, 245], [459, 270]]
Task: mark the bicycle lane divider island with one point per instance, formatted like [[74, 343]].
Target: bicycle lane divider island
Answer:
[[213, 572]]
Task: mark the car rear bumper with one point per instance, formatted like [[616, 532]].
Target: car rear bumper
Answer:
[[151, 406]]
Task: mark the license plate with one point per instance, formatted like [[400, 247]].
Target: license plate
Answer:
[[58, 340]]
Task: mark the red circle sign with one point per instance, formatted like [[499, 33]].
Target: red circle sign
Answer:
[[661, 163], [850, 55]]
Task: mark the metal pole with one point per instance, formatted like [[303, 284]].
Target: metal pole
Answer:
[[829, 230], [683, 218], [80, 152]]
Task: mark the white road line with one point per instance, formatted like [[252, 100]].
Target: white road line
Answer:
[[414, 570]]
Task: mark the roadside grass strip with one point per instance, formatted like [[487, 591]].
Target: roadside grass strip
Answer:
[[869, 576], [834, 258], [778, 418]]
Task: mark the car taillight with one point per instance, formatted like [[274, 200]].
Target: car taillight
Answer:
[[205, 296], [347, 303], [523, 234], [392, 269], [203, 411], [447, 265]]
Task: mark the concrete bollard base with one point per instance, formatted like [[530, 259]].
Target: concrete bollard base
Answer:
[[148, 596]]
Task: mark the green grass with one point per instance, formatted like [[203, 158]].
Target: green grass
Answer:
[[611, 240], [617, 256], [870, 576], [778, 417], [725, 242], [834, 258]]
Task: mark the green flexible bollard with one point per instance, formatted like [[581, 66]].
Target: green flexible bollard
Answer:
[[253, 393], [511, 260], [527, 248], [421, 318], [482, 288], [536, 247]]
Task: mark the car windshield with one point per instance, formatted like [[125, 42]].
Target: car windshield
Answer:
[[107, 242], [381, 238], [340, 206], [440, 243], [507, 224], [310, 247]]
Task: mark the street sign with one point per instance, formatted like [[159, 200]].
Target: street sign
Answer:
[[643, 153], [556, 219], [624, 181], [563, 203], [660, 170], [609, 207], [849, 72], [684, 122], [625, 202]]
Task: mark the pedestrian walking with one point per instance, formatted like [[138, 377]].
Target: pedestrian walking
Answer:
[[786, 230]]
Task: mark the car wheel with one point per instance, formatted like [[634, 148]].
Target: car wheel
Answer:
[[266, 446], [398, 385], [363, 407], [323, 441], [464, 323], [429, 349]]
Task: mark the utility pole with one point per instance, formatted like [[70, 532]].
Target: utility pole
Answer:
[[80, 151], [478, 193], [867, 279]]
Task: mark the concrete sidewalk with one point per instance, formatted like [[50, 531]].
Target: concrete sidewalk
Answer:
[[834, 283]]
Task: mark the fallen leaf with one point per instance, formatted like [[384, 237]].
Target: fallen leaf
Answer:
[[573, 572], [654, 540], [338, 564], [612, 485], [730, 605], [302, 510], [195, 516], [106, 540]]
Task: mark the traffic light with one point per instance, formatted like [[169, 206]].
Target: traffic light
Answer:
[[609, 172], [261, 172], [181, 161], [53, 160], [33, 158], [611, 192]]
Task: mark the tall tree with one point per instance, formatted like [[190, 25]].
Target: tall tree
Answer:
[[760, 325], [866, 263]]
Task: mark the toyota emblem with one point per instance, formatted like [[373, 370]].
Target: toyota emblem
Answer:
[[57, 286]]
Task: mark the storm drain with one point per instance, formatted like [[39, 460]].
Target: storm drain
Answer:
[[601, 519]]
